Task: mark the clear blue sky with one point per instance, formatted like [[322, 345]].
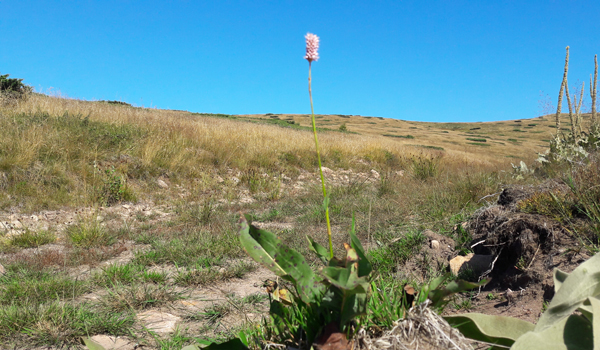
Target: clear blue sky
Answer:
[[417, 60]]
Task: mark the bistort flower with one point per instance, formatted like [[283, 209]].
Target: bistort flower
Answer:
[[312, 47]]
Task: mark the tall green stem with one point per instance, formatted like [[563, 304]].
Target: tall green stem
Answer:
[[312, 110]]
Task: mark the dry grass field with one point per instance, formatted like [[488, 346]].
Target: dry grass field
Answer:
[[113, 216], [481, 141]]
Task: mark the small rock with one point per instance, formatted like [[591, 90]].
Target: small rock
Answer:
[[2, 270], [235, 180], [126, 206], [34, 218], [458, 262], [375, 174], [159, 322], [193, 305], [113, 343], [219, 179], [435, 244], [162, 184], [327, 171], [476, 263]]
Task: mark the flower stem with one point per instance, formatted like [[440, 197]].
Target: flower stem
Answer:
[[312, 110]]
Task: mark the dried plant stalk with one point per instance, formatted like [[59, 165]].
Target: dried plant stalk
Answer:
[[577, 127], [560, 94], [570, 107], [593, 92]]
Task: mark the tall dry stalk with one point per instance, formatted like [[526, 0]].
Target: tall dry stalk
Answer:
[[570, 107], [560, 94], [577, 126], [593, 92]]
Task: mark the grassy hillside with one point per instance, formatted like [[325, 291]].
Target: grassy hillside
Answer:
[[57, 152], [110, 211], [484, 141]]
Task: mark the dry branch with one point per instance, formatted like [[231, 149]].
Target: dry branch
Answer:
[[560, 94]]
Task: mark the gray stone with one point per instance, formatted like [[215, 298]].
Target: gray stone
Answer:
[[159, 322], [478, 264], [114, 343], [162, 184]]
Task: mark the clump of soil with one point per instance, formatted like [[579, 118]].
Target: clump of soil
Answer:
[[526, 249]]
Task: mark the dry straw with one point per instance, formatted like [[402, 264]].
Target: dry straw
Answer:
[[421, 328]]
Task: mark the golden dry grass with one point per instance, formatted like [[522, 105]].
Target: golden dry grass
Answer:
[[58, 149], [179, 139], [519, 139]]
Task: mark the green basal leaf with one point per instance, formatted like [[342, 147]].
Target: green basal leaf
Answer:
[[265, 248], [569, 333], [499, 330], [318, 249], [92, 345], [345, 278], [191, 347], [438, 295], [349, 295], [364, 265], [436, 282], [354, 305], [579, 285], [595, 303], [559, 277]]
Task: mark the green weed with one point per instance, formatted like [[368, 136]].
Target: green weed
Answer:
[[32, 239]]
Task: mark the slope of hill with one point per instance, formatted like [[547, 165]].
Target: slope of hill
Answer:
[[114, 218], [482, 140]]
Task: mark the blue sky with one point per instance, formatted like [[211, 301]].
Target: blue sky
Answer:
[[446, 61]]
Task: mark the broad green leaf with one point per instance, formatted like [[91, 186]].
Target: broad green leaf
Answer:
[[559, 277], [343, 277], [318, 249], [264, 247], [582, 283], [354, 305], [436, 282], [569, 333], [498, 330], [586, 309], [364, 265], [437, 295], [92, 345], [243, 338], [191, 347], [351, 255], [351, 291], [595, 302]]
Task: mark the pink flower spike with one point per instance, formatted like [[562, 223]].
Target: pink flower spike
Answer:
[[312, 47]]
